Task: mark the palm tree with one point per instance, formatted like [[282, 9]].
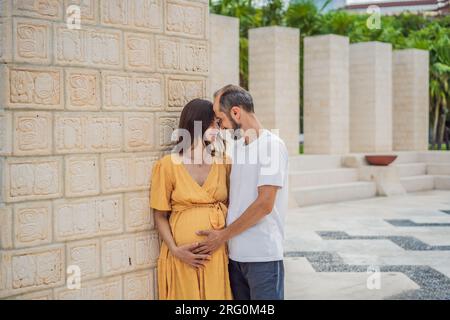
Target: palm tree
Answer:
[[439, 89]]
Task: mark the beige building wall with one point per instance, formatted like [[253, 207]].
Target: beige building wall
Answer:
[[274, 81], [224, 44], [326, 94], [411, 100], [84, 114], [371, 97]]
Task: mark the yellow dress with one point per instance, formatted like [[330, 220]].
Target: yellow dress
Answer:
[[193, 207]]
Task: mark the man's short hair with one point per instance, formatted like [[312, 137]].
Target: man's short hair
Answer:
[[232, 95]]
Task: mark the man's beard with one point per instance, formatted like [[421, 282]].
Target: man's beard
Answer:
[[236, 127]]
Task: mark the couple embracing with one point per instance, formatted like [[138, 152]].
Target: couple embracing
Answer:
[[220, 214]]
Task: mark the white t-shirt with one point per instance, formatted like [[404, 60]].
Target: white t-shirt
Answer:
[[262, 162]]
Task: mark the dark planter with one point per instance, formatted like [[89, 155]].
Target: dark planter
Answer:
[[380, 160]]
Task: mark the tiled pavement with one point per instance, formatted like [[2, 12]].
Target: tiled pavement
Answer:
[[333, 250]]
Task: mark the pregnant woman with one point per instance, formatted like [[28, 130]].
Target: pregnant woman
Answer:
[[188, 196]]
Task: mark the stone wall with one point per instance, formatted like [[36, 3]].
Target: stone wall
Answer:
[[371, 97], [84, 114], [326, 94], [410, 100], [274, 81], [224, 44]]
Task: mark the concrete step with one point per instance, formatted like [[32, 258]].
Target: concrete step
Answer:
[[334, 193], [406, 157], [435, 157], [438, 169], [418, 183], [402, 156], [411, 169], [314, 162], [303, 179], [442, 182], [359, 159]]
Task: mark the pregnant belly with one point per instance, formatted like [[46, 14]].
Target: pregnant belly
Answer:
[[185, 224]]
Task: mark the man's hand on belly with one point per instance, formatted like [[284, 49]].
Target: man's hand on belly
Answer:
[[214, 240]]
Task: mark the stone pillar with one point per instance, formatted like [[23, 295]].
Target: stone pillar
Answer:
[[84, 114], [274, 81], [370, 97], [224, 44], [326, 94], [411, 100]]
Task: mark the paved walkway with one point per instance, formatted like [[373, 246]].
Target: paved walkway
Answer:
[[380, 248]]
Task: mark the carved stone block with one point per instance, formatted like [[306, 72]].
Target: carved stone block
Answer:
[[33, 133], [38, 88], [32, 224], [32, 41], [81, 176], [87, 218], [126, 171], [83, 89], [138, 214], [132, 92], [32, 179], [88, 132]]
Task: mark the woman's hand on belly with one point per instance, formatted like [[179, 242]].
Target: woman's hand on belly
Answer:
[[185, 254]]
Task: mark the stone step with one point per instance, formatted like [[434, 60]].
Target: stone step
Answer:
[[303, 179], [418, 183], [359, 159], [442, 182], [334, 193], [435, 157], [314, 162], [411, 169], [438, 169], [406, 157]]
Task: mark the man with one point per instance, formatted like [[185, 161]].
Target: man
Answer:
[[258, 202]]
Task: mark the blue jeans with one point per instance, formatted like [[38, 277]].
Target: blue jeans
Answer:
[[257, 280]]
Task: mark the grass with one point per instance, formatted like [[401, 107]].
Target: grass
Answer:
[[443, 147]]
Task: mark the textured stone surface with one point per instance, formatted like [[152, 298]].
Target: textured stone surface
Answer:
[[32, 178], [410, 100], [82, 89], [371, 97], [101, 289], [32, 41], [26, 270], [274, 81], [33, 133], [88, 218], [84, 113], [32, 87], [86, 255], [32, 224], [224, 35], [5, 133], [84, 132], [326, 94]]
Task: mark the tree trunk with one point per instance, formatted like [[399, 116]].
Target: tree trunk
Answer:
[[435, 125], [441, 130]]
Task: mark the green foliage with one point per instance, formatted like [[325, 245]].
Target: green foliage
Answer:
[[406, 30]]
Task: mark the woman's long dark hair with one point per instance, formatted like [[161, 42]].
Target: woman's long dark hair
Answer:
[[195, 110]]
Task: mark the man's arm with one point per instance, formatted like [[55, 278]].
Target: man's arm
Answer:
[[262, 206]]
